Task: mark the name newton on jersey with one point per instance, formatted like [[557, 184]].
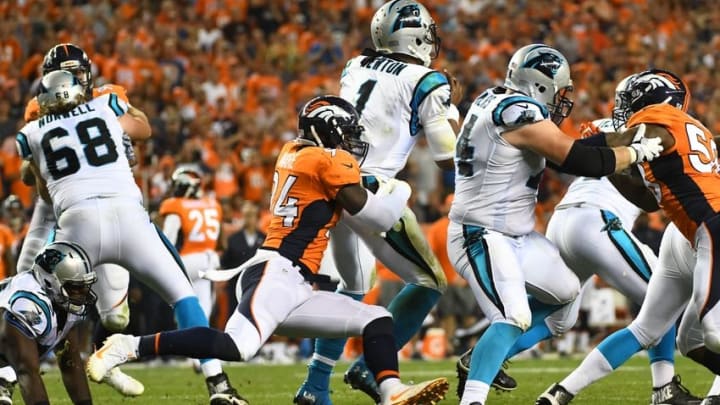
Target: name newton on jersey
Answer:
[[80, 110], [386, 65]]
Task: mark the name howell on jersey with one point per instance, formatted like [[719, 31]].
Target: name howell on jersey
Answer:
[[80, 110]]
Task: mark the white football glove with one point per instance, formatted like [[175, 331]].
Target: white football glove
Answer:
[[646, 149]]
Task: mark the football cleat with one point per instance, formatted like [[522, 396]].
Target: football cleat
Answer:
[[6, 391], [673, 393], [222, 392], [711, 400], [555, 395], [123, 383], [116, 350], [425, 393], [502, 381], [308, 395], [360, 378]]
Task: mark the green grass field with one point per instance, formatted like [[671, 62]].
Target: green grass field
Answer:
[[270, 385]]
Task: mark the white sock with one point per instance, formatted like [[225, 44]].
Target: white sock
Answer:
[[8, 374], [475, 391], [715, 388], [211, 368], [583, 342], [594, 367], [136, 346], [662, 372], [387, 386]]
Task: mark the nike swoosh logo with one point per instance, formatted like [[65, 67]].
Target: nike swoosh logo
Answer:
[[99, 353], [399, 394], [349, 166], [522, 105]]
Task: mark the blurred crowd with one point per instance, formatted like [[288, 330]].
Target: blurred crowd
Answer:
[[222, 80]]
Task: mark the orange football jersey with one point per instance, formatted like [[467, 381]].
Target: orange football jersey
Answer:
[[305, 183], [32, 110], [200, 222], [684, 177]]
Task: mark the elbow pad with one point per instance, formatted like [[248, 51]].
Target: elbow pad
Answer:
[[597, 140], [381, 211], [589, 161], [441, 139]]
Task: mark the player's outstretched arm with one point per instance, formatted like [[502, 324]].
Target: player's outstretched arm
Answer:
[[378, 212], [21, 353], [582, 157], [72, 369], [135, 123]]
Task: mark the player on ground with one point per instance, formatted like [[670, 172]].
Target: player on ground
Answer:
[[39, 309], [75, 150], [315, 182], [191, 223], [685, 183], [112, 285], [399, 98], [508, 134]]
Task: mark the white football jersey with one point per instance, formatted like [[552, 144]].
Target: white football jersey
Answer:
[[80, 154], [394, 100], [496, 183], [600, 192], [30, 310]]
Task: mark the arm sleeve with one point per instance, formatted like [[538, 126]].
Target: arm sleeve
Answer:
[[588, 161], [434, 110], [23, 147], [118, 106], [339, 170], [171, 227], [30, 314], [518, 110]]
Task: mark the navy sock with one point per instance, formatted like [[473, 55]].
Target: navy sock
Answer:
[[197, 342]]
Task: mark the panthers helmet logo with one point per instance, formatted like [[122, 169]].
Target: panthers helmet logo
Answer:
[[547, 63], [408, 17], [49, 259]]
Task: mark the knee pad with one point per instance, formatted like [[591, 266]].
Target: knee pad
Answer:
[[646, 336], [117, 319], [562, 320]]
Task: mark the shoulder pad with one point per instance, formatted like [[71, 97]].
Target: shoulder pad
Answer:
[[31, 313], [516, 111]]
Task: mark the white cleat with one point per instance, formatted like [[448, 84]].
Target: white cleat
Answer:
[[123, 383], [116, 350], [424, 393]]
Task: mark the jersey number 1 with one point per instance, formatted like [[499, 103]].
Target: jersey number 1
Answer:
[[364, 95], [99, 150]]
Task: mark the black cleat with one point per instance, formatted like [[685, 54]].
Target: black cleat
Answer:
[[6, 391], [502, 381], [360, 378], [711, 400], [222, 392], [555, 395], [673, 393]]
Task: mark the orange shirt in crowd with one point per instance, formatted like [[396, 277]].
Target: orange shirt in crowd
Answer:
[[6, 243]]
